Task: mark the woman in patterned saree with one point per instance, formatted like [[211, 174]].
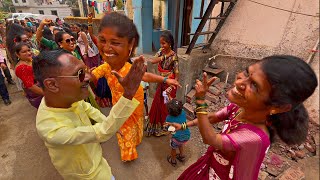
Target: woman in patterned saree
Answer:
[[264, 101], [168, 68], [24, 72], [118, 38]]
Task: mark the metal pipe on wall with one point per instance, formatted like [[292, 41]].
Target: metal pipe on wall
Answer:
[[313, 52]]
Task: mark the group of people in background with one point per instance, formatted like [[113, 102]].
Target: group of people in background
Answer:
[[59, 65]]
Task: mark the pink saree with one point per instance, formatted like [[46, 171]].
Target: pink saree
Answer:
[[249, 143]]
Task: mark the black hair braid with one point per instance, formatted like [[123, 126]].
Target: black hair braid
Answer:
[[292, 126], [292, 81]]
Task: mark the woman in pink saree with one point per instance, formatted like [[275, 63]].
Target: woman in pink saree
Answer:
[[264, 101]]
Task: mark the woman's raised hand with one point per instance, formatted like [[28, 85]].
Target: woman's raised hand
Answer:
[[131, 82], [90, 18], [202, 87], [173, 82]]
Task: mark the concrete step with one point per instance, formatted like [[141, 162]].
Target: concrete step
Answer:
[[212, 71], [189, 110]]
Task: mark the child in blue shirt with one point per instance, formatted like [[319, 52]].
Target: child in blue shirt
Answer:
[[179, 138]]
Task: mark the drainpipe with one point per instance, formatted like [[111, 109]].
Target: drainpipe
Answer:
[[227, 55], [313, 52]]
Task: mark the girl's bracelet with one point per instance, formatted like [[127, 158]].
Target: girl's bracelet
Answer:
[[200, 98], [165, 79], [203, 112], [184, 126], [201, 105]]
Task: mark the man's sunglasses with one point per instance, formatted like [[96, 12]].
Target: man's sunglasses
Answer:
[[70, 40], [81, 75]]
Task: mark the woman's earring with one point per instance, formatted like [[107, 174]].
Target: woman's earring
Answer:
[[272, 112], [130, 51]]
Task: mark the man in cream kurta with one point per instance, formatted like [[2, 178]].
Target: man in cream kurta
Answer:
[[63, 118]]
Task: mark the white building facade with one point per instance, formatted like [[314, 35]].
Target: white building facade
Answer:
[[47, 7]]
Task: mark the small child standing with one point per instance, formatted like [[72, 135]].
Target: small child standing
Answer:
[[179, 138]]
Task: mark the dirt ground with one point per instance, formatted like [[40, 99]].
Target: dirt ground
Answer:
[[24, 156]]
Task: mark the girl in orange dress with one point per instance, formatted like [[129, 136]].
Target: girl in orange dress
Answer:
[[118, 37]]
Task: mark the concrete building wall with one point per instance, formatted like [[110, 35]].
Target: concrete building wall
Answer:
[[30, 6], [254, 30]]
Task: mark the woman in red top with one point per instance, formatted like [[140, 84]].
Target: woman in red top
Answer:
[[24, 72]]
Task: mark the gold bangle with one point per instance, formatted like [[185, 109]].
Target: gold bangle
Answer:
[[202, 107], [204, 113]]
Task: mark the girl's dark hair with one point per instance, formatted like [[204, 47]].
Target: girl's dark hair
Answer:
[[84, 27], [22, 23], [11, 32], [292, 81], [16, 21], [59, 36], [67, 30], [19, 46], [77, 24], [57, 29], [29, 29], [66, 25], [174, 107], [168, 38], [18, 38], [47, 33], [124, 25]]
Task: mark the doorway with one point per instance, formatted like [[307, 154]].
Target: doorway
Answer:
[[186, 23]]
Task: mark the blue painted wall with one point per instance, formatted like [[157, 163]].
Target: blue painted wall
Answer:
[[143, 18], [195, 22], [142, 13], [172, 18]]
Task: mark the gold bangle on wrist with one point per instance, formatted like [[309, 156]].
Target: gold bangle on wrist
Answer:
[[204, 113]]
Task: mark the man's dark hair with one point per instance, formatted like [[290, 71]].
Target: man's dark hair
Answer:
[[46, 65]]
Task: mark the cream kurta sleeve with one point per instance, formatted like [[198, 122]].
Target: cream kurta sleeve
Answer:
[[72, 126]]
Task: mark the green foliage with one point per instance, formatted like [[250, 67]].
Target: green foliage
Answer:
[[119, 4], [72, 3], [7, 6], [3, 15]]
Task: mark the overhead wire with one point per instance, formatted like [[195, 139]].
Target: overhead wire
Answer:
[[283, 9]]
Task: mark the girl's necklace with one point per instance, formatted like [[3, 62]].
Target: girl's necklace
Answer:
[[26, 62], [232, 125]]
